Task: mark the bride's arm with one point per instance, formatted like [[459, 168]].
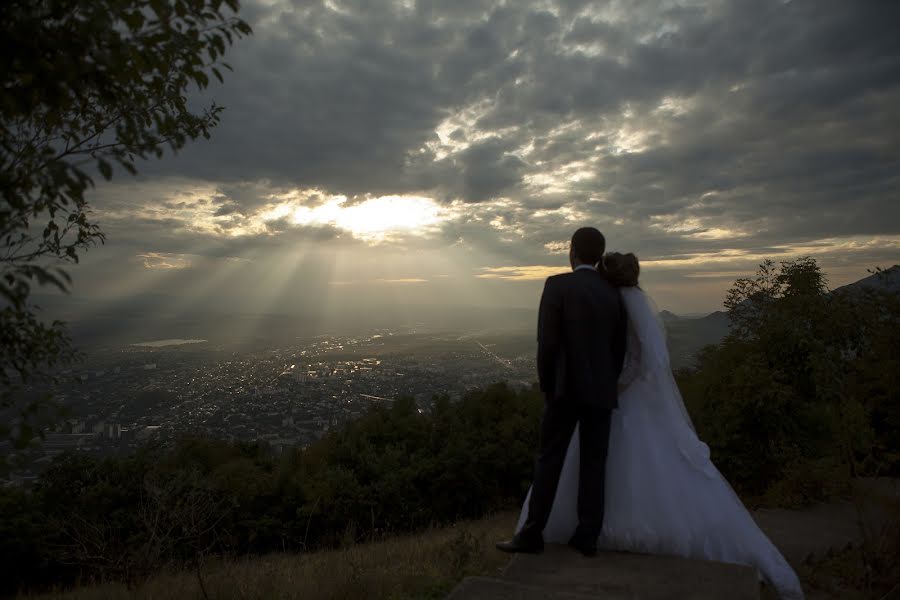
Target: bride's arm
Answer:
[[631, 366]]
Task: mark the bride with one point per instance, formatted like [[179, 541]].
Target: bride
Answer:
[[663, 493]]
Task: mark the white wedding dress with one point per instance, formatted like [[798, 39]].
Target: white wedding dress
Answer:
[[663, 493]]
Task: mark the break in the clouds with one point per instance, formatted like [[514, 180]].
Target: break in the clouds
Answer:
[[704, 136]]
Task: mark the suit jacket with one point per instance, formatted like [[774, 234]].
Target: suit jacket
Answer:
[[581, 339]]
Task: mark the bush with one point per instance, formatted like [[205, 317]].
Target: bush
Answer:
[[393, 470], [802, 394]]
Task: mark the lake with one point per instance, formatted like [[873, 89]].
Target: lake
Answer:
[[170, 342]]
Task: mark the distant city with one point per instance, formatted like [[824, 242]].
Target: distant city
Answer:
[[120, 398]]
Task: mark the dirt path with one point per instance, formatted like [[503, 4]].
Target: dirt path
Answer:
[[812, 531]]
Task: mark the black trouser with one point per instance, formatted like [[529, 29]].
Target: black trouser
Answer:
[[557, 427]]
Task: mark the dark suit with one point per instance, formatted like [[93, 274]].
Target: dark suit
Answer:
[[581, 347]]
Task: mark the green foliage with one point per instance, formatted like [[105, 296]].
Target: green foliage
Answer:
[[393, 470], [86, 85], [24, 534], [28, 345], [802, 393], [396, 469]]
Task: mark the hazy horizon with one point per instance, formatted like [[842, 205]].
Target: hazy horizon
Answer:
[[176, 299]]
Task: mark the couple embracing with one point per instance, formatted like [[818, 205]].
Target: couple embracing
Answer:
[[619, 462]]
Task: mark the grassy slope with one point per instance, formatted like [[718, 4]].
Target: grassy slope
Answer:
[[426, 565], [429, 564]]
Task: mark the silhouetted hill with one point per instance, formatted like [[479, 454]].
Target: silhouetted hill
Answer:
[[687, 336], [888, 280], [668, 317]]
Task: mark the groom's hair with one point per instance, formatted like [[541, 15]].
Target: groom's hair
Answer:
[[589, 245]]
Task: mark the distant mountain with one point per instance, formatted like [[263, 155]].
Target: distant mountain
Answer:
[[687, 336], [888, 280], [668, 317]]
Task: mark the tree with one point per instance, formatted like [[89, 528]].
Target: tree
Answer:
[[800, 395], [86, 84]]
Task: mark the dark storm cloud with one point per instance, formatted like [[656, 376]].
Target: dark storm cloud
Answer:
[[789, 111], [321, 98], [680, 128], [484, 170], [343, 98]]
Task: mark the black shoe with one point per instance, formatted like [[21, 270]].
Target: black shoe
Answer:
[[587, 546], [517, 544]]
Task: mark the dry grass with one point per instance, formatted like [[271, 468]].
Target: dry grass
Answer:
[[869, 570], [430, 564], [427, 565]]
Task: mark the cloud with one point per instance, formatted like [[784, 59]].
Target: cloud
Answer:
[[694, 133], [402, 280], [487, 169], [521, 273], [557, 247], [158, 260], [380, 280]]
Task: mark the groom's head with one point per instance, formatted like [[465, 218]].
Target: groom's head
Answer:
[[588, 246]]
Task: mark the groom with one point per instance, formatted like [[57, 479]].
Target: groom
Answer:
[[581, 346]]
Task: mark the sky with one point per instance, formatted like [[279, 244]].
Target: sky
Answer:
[[443, 152]]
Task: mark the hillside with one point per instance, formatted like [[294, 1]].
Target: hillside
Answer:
[[426, 565], [821, 542]]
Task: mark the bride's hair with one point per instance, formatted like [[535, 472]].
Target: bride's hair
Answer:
[[621, 270]]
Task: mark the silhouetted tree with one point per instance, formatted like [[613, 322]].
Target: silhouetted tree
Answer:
[[86, 84], [800, 395]]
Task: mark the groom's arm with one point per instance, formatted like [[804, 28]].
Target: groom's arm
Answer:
[[549, 335]]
